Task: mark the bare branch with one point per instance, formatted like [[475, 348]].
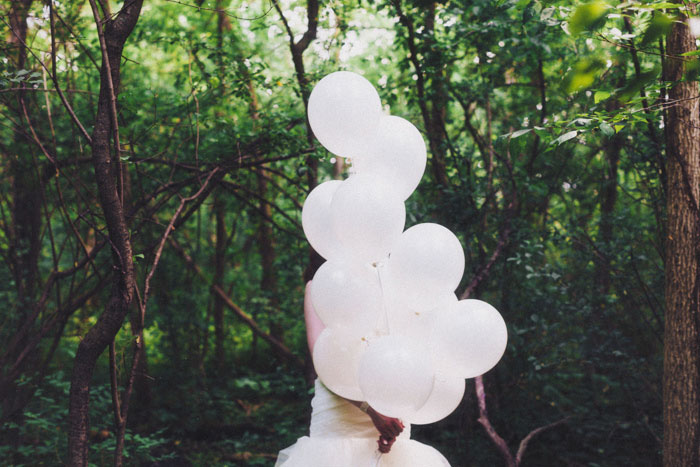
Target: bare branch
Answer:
[[526, 440], [500, 443]]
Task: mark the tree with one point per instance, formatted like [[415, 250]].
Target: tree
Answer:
[[113, 33], [682, 289]]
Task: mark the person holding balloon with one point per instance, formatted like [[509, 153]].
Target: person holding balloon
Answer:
[[388, 428], [390, 340], [348, 433]]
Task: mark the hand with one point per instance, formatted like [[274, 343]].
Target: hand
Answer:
[[389, 428], [385, 444]]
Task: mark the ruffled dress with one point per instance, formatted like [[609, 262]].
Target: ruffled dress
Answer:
[[341, 435]]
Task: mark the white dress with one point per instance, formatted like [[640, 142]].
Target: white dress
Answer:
[[341, 435]]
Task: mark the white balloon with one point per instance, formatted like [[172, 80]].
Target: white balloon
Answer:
[[337, 355], [396, 376], [410, 453], [397, 155], [347, 294], [368, 217], [469, 338], [344, 110], [411, 320], [448, 391], [316, 220], [427, 260]]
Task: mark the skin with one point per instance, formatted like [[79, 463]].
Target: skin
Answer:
[[389, 428]]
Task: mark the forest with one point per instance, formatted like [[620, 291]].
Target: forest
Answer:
[[155, 157]]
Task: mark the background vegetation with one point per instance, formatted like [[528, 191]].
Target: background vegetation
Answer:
[[545, 126]]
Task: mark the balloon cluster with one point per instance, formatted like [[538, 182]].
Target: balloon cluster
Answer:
[[396, 335]]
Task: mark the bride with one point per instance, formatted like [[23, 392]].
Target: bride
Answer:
[[345, 433]]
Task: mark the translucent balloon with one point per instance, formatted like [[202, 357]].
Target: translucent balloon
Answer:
[[316, 220], [469, 338], [427, 260], [397, 155], [368, 217], [448, 391], [396, 376], [409, 453], [347, 294], [337, 355], [344, 110]]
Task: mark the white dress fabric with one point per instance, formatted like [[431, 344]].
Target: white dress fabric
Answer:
[[341, 435]]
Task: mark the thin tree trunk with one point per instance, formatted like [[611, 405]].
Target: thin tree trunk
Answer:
[[26, 214], [681, 392], [607, 207], [99, 336], [218, 280]]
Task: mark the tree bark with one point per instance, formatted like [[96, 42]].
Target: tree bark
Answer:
[[681, 391], [26, 207], [24, 238], [97, 339]]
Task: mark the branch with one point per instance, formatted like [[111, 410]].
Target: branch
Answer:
[[55, 81], [164, 238], [526, 440], [112, 97], [486, 268], [278, 346], [486, 423], [413, 57]]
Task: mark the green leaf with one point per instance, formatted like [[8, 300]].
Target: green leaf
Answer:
[[588, 16], [21, 73], [600, 96], [692, 70], [607, 129], [659, 26], [637, 84], [661, 6], [565, 137], [583, 74], [520, 133]]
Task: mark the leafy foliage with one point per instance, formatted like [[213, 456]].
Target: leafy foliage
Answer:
[[544, 122]]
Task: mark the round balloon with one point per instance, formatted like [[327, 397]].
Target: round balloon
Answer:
[[469, 338], [337, 355], [427, 260], [368, 217], [316, 220], [396, 376], [344, 110], [413, 321], [397, 155], [448, 391], [347, 294], [408, 453]]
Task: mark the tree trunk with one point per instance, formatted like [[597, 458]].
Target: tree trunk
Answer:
[[102, 333], [437, 99], [26, 219], [607, 208], [681, 392], [219, 266]]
